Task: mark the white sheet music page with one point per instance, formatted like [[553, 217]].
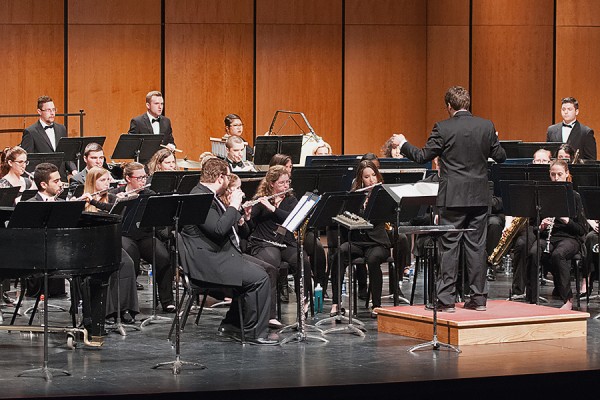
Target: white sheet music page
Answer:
[[418, 189], [300, 212]]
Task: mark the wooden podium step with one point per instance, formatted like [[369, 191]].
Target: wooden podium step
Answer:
[[503, 322]]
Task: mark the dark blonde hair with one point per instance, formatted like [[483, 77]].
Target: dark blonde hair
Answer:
[[157, 158], [265, 188], [358, 181], [91, 178], [9, 154], [233, 180], [563, 164]]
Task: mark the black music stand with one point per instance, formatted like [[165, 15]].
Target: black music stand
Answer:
[[176, 210], [138, 147], [57, 159], [408, 205], [8, 196], [539, 200], [266, 147], [74, 147], [590, 197], [46, 215]]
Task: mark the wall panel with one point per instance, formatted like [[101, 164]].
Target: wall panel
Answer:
[[385, 78], [114, 60], [32, 64], [299, 66], [512, 66]]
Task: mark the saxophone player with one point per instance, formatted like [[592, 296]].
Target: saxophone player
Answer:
[[561, 238]]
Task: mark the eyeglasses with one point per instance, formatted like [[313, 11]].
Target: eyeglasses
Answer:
[[22, 162], [236, 125], [139, 178], [49, 110]]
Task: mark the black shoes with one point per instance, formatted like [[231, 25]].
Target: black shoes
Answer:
[[471, 305], [127, 318], [169, 308], [139, 286], [441, 308], [233, 332]]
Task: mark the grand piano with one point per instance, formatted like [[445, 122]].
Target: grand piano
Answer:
[[88, 252]]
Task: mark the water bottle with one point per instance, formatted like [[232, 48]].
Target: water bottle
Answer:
[[318, 303], [41, 309], [150, 276], [507, 264]]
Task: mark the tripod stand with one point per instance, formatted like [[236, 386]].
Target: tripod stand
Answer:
[[189, 209]]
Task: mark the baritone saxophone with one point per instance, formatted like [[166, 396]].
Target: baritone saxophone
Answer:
[[506, 240]]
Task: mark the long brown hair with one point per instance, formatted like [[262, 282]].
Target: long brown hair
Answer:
[[358, 181], [233, 179], [265, 188], [157, 158], [92, 176]]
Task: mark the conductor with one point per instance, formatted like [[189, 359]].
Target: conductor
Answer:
[[463, 144]]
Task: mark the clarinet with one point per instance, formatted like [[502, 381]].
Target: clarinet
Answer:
[[550, 226]]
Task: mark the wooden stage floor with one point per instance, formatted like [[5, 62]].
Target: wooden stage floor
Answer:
[[348, 367]]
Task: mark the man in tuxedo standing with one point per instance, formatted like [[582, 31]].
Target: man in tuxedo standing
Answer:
[[152, 122], [463, 144], [571, 131]]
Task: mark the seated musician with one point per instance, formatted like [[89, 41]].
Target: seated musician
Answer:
[[275, 202], [96, 193], [211, 254], [322, 149], [590, 262], [565, 152], [47, 180], [391, 147], [374, 245], [138, 242], [235, 127], [162, 160], [93, 156], [235, 160], [13, 162], [565, 236], [243, 231], [312, 243]]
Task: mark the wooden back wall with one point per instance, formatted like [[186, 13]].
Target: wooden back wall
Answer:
[[359, 70]]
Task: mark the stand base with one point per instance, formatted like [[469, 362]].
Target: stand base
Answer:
[[436, 344], [177, 364], [122, 329], [338, 319], [300, 335], [43, 372], [400, 299], [349, 328], [158, 319]]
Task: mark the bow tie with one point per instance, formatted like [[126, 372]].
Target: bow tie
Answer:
[[568, 126], [155, 120], [237, 164], [49, 127]]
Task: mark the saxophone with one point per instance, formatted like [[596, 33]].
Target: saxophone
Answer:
[[506, 240]]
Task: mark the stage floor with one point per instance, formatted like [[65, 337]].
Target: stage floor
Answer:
[[347, 367]]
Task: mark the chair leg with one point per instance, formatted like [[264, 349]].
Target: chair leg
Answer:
[[354, 284], [204, 295], [414, 285], [241, 315]]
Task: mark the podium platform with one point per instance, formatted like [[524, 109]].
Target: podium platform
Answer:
[[503, 322]]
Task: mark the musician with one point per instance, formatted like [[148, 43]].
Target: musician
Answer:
[[565, 152], [590, 264], [43, 136], [542, 156], [93, 156], [235, 127], [374, 245], [566, 238], [152, 121], [47, 179], [571, 131], [391, 147], [99, 199], [243, 231], [13, 162], [162, 160], [323, 149], [284, 160], [271, 211], [211, 253], [234, 158], [463, 143], [138, 242]]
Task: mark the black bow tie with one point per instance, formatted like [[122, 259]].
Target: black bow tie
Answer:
[[568, 126], [49, 127], [155, 120], [237, 164]]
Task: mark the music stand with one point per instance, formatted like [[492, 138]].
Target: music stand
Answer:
[[74, 147], [590, 197], [188, 182], [138, 147], [57, 159], [176, 210], [265, 147], [8, 196], [408, 203], [46, 215], [538, 200]]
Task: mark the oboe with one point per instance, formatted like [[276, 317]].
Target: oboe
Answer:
[[253, 202]]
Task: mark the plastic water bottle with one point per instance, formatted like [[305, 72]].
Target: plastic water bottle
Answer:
[[41, 309], [150, 276], [318, 303], [507, 261]]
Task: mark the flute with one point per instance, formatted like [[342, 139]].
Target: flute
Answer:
[[98, 193], [368, 187], [132, 191], [253, 202]]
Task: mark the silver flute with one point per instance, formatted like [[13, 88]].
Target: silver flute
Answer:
[[253, 202]]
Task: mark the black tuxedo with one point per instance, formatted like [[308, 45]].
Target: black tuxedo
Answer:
[[210, 253], [581, 138], [463, 143], [142, 125], [38, 197], [35, 140]]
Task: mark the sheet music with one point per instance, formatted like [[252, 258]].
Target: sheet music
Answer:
[[301, 211], [418, 189]]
